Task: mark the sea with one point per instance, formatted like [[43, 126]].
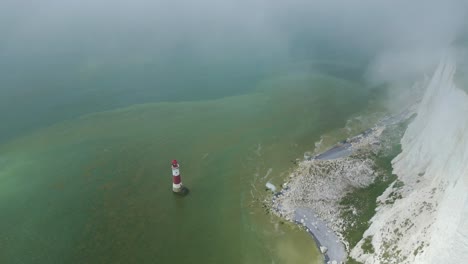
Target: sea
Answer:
[[87, 140]]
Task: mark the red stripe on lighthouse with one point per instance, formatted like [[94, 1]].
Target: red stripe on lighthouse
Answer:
[[176, 179]]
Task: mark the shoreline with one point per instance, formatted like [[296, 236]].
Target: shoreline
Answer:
[[328, 242], [322, 220]]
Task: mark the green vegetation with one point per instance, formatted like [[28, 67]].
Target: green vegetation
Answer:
[[350, 260], [395, 195], [358, 206], [367, 246], [419, 249]]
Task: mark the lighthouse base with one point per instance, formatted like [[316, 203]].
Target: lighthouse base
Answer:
[[180, 189]]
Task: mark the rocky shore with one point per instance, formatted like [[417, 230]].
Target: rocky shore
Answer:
[[311, 197]]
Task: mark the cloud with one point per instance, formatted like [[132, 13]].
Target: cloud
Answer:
[[59, 53], [400, 38], [374, 25]]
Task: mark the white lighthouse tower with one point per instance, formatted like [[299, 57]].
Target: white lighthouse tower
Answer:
[[177, 186]]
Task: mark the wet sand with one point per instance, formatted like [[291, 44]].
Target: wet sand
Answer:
[[323, 235], [334, 250]]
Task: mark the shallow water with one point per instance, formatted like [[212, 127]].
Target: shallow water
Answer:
[[97, 189]]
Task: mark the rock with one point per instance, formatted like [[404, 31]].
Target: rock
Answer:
[[270, 186], [323, 249]]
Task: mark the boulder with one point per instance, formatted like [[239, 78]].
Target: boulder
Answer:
[[323, 249]]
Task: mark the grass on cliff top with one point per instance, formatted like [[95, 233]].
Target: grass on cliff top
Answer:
[[363, 202], [358, 206]]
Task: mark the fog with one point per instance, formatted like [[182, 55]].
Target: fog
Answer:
[[92, 55], [49, 27]]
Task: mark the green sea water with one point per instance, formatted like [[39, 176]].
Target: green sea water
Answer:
[[98, 188]]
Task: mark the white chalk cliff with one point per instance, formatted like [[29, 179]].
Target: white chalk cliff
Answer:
[[429, 221]]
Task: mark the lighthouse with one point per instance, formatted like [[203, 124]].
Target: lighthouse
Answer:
[[177, 186]]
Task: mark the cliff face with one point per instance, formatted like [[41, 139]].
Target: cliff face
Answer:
[[428, 223]]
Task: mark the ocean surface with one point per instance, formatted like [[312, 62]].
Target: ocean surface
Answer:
[[85, 171]]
